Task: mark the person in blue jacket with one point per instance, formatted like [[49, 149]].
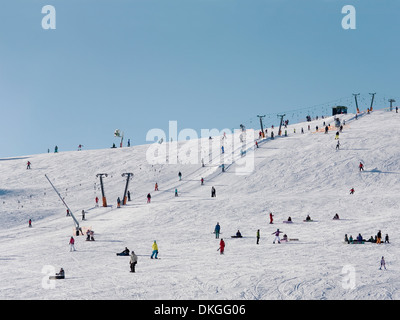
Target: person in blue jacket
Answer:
[[217, 230]]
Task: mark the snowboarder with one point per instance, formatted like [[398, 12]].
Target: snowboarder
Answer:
[[238, 234], [28, 165], [258, 235], [30, 223], [270, 218], [351, 190], [217, 230], [308, 218], [156, 187], [118, 202], [124, 253], [336, 217], [148, 198], [221, 246], [71, 244], [180, 175], [133, 261], [213, 192], [155, 250], [61, 274], [383, 263], [361, 166], [277, 233]]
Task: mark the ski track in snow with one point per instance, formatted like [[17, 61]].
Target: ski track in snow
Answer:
[[293, 176]]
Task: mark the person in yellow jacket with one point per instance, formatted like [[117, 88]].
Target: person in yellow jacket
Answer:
[[155, 250]]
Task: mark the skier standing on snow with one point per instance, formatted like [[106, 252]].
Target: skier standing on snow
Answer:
[[337, 145], [155, 250], [28, 165], [30, 223], [83, 215], [217, 230], [202, 181], [180, 175], [176, 192], [270, 218], [383, 263], [156, 187], [148, 198], [72, 244], [133, 261], [221, 246], [361, 166], [118, 202], [277, 233], [258, 235], [97, 201], [351, 190]]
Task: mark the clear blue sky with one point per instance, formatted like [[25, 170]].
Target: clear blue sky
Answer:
[[135, 65]]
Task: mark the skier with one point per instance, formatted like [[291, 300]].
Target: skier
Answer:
[[351, 190], [202, 181], [148, 197], [397, 109], [361, 166], [72, 244], [97, 201], [129, 196], [213, 192], [180, 175], [221, 246], [55, 149], [118, 202], [80, 147], [222, 149], [156, 187], [258, 235], [133, 261], [217, 230], [276, 233], [270, 218], [83, 215], [387, 238], [129, 142], [30, 223], [337, 145], [28, 165], [155, 250], [68, 213], [176, 192], [256, 144], [337, 135], [383, 263]]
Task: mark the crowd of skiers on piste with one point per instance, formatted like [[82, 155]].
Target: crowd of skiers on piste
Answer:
[[277, 233]]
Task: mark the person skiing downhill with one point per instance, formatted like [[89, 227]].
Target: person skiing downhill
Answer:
[[28, 165], [383, 263], [351, 190], [361, 167], [277, 233], [221, 246]]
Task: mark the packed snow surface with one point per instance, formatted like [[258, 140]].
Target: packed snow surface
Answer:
[[296, 176]]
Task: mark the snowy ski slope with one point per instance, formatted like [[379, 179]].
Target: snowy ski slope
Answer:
[[293, 176]]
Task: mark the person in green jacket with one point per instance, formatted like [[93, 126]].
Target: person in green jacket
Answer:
[[258, 235], [155, 250]]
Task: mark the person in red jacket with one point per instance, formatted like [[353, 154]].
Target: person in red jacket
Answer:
[[270, 218], [221, 246], [71, 244], [351, 190], [361, 166]]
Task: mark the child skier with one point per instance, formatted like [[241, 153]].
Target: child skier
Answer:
[[277, 233], [383, 263]]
